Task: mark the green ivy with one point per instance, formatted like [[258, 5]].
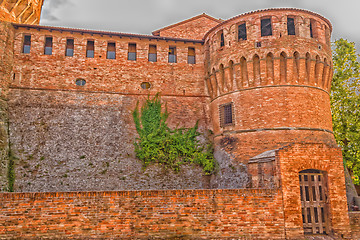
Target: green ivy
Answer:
[[157, 143], [11, 171]]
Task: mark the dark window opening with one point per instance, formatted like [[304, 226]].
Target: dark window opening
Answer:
[[111, 51], [27, 44], [191, 56], [90, 48], [132, 52], [311, 30], [80, 82], [152, 53], [290, 26], [222, 40], [226, 115], [266, 29], [69, 48], [145, 85], [242, 32], [172, 54], [48, 45]]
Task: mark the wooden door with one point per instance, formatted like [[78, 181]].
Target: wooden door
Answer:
[[313, 189]]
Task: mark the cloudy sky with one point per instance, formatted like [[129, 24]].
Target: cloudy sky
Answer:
[[145, 16]]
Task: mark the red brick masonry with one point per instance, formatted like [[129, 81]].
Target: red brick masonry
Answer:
[[239, 213]]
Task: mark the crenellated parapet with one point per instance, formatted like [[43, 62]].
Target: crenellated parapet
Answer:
[[268, 74], [272, 47], [21, 11]]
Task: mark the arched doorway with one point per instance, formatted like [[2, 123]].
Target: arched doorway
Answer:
[[314, 198]]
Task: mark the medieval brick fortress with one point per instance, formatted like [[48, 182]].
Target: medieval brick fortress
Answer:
[[258, 84]]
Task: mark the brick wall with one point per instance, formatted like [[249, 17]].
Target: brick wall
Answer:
[[6, 68], [189, 214], [293, 159], [355, 224]]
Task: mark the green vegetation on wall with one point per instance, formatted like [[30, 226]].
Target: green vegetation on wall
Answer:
[[345, 104], [157, 143]]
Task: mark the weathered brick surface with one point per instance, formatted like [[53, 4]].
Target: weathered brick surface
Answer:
[[199, 26], [6, 68], [355, 224], [291, 160], [21, 11], [186, 214]]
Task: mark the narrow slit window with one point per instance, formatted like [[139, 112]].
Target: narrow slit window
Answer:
[[111, 51], [132, 52], [311, 30], [69, 48], [222, 39], [191, 55], [172, 54], [290, 26], [152, 53], [313, 33], [90, 49], [48, 46], [27, 44], [266, 29], [242, 32], [226, 115]]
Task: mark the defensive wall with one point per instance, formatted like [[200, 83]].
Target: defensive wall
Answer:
[[262, 96]]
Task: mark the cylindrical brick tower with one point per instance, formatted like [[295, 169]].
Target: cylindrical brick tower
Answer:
[[21, 11], [268, 75]]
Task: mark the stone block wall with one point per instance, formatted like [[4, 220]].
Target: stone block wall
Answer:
[[6, 69], [186, 214]]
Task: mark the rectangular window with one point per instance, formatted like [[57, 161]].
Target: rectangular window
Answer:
[[111, 51], [172, 54], [26, 44], [69, 47], [152, 53], [266, 29], [222, 39], [132, 52], [191, 55], [48, 45], [290, 26], [313, 33], [226, 115], [90, 49], [242, 32]]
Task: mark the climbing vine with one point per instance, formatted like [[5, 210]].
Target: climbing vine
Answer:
[[157, 143]]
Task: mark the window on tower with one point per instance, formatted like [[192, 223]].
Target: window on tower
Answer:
[[290, 26], [48, 46], [111, 52], [172, 54], [69, 52], [132, 52], [90, 49], [242, 32], [226, 115], [26, 44], [191, 55], [152, 53], [266, 29]]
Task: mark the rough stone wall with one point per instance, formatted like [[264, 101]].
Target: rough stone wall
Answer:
[[78, 141], [355, 224], [6, 68], [193, 28], [185, 214], [21, 11], [291, 160]]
